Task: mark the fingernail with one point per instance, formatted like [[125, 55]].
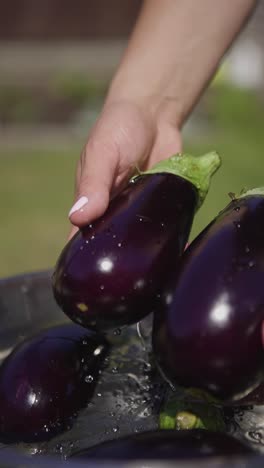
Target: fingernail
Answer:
[[78, 205]]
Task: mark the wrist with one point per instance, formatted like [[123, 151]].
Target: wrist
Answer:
[[158, 104]]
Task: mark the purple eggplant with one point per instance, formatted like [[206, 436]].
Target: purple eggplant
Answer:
[[210, 334], [46, 380], [167, 445], [113, 271]]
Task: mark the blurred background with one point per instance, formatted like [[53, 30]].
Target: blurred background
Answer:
[[56, 60]]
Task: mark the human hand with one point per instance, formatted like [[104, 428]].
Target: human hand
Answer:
[[171, 56], [125, 137]]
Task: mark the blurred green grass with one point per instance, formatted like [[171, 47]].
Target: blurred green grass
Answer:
[[36, 192], [36, 187]]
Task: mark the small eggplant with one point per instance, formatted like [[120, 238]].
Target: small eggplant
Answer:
[[210, 335], [166, 445], [46, 380], [112, 272]]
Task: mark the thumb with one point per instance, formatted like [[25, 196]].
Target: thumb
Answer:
[[95, 176]]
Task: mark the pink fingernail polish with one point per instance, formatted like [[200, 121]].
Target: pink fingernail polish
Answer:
[[78, 205]]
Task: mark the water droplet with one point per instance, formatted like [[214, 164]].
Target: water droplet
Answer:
[[115, 370], [237, 224], [247, 249], [251, 264], [89, 379], [255, 435], [115, 429], [119, 244], [162, 224], [102, 287], [117, 331], [92, 237], [99, 394], [87, 241], [237, 208], [114, 236], [81, 248], [59, 448]]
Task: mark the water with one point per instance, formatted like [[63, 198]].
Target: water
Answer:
[[127, 398], [248, 425]]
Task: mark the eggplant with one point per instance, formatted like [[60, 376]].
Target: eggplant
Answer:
[[46, 380], [112, 272], [166, 445], [209, 336]]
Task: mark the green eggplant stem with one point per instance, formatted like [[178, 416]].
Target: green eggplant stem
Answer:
[[196, 169]]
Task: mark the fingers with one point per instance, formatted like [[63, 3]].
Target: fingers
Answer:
[[120, 139], [94, 182], [73, 231]]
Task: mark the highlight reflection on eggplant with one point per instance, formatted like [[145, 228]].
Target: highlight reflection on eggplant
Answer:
[[46, 380], [113, 271], [166, 445], [210, 336]]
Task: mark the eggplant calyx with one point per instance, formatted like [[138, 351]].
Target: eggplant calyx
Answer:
[[196, 169], [183, 413], [255, 192], [186, 420]]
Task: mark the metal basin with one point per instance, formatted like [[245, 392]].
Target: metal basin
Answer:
[[127, 399]]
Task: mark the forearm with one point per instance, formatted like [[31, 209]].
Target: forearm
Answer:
[[174, 51]]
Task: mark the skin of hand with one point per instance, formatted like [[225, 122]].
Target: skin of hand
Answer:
[[173, 53]]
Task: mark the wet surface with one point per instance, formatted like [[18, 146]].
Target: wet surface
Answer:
[[130, 391], [127, 398]]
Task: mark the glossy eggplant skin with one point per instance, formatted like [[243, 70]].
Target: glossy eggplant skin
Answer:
[[166, 445], [113, 271], [210, 335], [46, 380]]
